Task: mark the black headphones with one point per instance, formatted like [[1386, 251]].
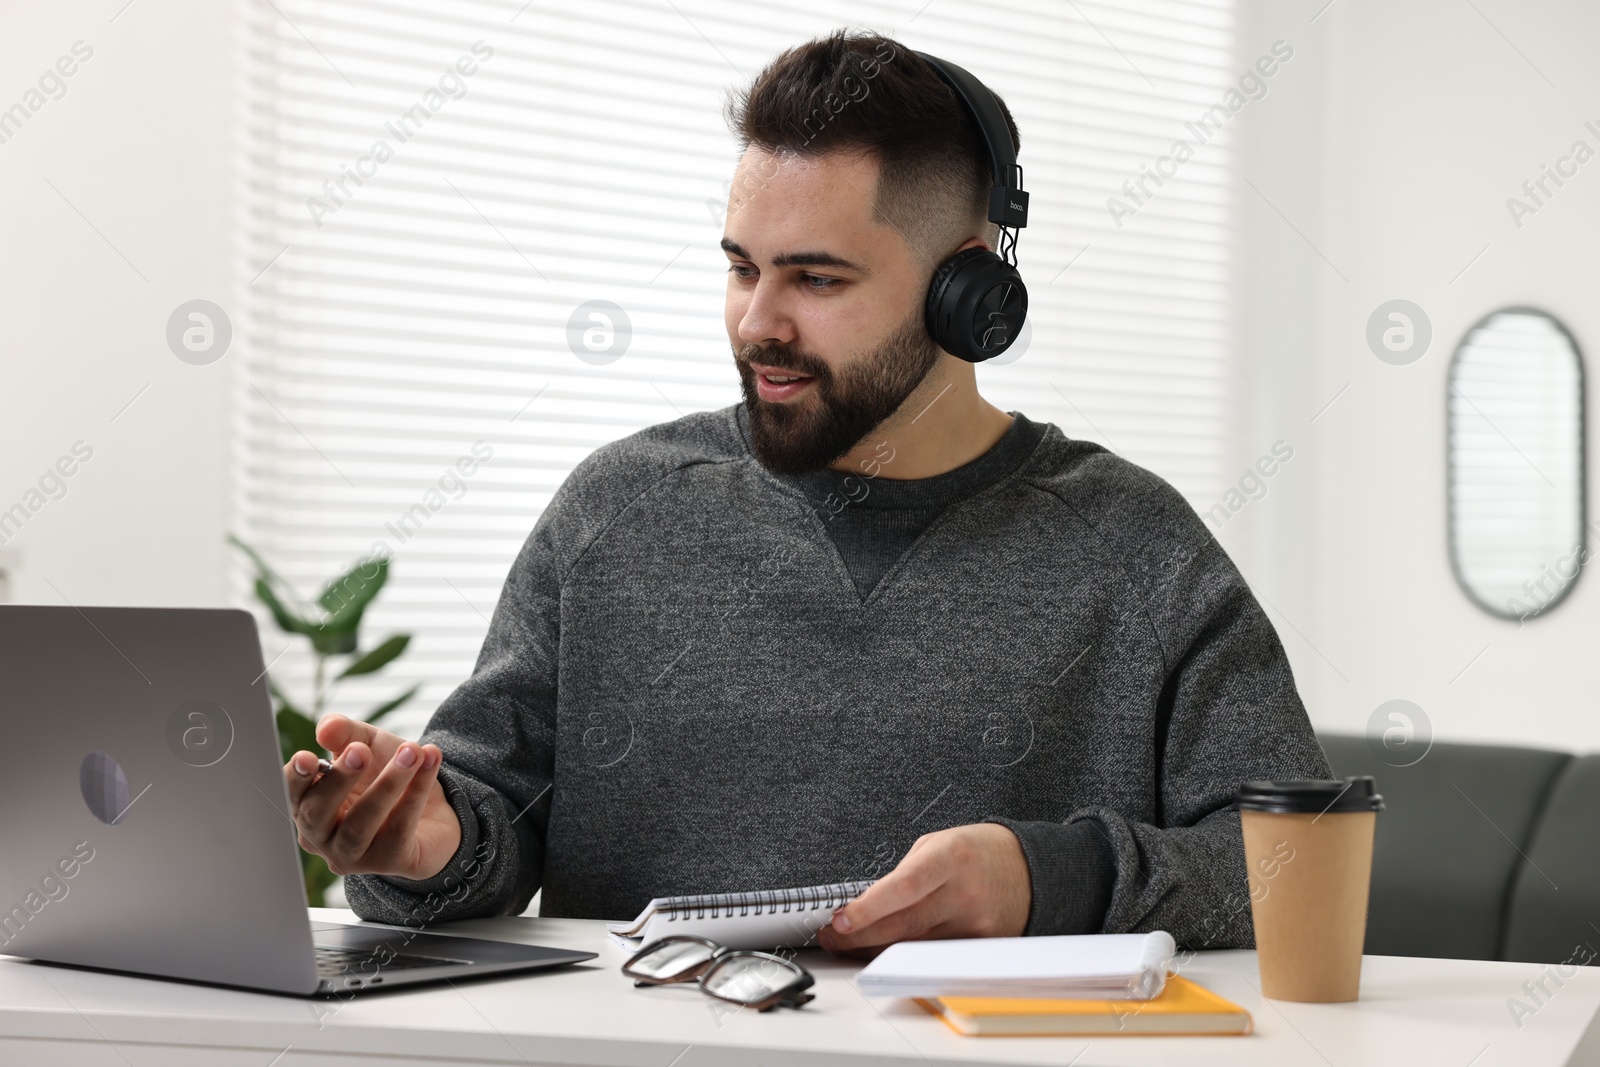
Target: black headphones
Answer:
[[976, 300]]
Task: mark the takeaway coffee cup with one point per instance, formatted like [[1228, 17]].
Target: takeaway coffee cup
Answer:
[[1308, 849]]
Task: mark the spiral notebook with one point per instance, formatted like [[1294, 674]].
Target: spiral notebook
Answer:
[[763, 919]]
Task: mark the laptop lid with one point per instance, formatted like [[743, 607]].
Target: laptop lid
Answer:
[[146, 821]]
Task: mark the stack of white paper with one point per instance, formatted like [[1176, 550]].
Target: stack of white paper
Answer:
[[1070, 966]]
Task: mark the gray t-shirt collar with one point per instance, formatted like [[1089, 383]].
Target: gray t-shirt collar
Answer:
[[887, 491]]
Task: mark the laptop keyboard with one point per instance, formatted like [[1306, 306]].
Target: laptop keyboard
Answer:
[[333, 960]]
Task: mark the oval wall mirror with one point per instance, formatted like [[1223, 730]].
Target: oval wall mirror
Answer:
[[1515, 446]]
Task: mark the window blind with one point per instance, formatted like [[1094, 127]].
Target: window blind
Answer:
[[437, 194]]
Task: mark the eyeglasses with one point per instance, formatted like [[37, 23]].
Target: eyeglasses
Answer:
[[757, 980]]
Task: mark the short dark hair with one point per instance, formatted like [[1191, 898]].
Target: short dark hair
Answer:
[[863, 91]]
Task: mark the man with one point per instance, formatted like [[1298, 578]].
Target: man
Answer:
[[864, 624]]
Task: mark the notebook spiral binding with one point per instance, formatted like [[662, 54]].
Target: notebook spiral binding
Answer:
[[762, 902]]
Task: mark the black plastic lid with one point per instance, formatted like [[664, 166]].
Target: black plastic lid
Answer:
[[1355, 793]]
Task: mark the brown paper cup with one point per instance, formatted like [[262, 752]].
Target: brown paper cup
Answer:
[[1309, 874]]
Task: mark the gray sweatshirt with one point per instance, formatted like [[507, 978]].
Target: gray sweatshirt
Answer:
[[703, 677]]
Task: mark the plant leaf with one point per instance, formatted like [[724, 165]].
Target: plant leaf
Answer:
[[296, 729], [383, 709], [296, 732], [377, 657], [277, 590], [283, 701], [287, 621], [255, 557], [347, 596], [333, 642]]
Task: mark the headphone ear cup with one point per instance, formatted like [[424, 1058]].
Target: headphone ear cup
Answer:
[[976, 305]]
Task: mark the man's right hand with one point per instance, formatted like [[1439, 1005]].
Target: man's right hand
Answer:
[[380, 810]]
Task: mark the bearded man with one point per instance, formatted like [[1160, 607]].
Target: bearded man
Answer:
[[863, 624]]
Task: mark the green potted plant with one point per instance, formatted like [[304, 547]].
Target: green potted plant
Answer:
[[332, 624]]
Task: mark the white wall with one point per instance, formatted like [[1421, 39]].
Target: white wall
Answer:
[[141, 145], [1390, 143], [1395, 163]]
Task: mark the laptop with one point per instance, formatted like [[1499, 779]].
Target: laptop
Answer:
[[146, 822]]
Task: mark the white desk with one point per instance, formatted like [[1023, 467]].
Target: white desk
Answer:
[[1412, 1011]]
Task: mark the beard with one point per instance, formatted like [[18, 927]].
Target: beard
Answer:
[[814, 431]]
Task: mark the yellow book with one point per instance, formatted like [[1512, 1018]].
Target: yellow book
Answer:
[[1181, 1008]]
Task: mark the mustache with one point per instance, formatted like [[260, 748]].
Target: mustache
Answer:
[[783, 358]]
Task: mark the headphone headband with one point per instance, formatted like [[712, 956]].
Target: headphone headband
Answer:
[[1008, 203], [976, 303]]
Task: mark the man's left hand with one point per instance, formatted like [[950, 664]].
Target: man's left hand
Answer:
[[968, 881]]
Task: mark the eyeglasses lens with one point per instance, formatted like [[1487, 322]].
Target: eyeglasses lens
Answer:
[[671, 959], [748, 979]]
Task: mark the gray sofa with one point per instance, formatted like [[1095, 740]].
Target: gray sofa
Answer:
[[1487, 852]]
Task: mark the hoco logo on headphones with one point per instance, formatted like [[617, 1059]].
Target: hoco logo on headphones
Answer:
[[976, 303]]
